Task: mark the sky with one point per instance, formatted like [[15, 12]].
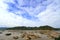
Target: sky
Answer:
[[29, 13]]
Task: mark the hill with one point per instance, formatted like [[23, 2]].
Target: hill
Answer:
[[46, 27]]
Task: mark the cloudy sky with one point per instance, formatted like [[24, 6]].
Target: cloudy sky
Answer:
[[29, 13]]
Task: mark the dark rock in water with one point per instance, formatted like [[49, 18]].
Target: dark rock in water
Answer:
[[0, 32], [8, 34]]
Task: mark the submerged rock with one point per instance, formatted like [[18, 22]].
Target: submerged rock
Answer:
[[8, 34]]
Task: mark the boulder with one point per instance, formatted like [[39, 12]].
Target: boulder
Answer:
[[15, 37], [8, 34], [29, 36]]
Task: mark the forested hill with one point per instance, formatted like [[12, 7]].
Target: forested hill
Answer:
[[46, 27]]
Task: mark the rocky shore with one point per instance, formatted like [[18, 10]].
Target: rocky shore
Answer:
[[28, 35]]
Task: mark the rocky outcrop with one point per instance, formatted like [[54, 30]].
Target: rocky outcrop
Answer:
[[15, 37], [29, 36], [50, 33]]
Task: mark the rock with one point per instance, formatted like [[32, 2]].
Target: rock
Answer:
[[8, 34], [0, 32], [29, 36], [54, 34], [50, 33], [23, 35], [45, 31], [15, 37]]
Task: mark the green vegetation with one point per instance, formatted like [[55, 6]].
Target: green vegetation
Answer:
[[57, 38], [46, 27]]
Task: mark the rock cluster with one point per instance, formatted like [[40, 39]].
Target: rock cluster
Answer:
[[50, 34], [29, 36], [15, 37]]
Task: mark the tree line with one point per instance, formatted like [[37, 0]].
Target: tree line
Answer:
[[46, 27]]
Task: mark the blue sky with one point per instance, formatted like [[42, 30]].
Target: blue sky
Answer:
[[29, 13]]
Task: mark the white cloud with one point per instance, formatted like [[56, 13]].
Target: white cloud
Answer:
[[50, 16], [10, 19]]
